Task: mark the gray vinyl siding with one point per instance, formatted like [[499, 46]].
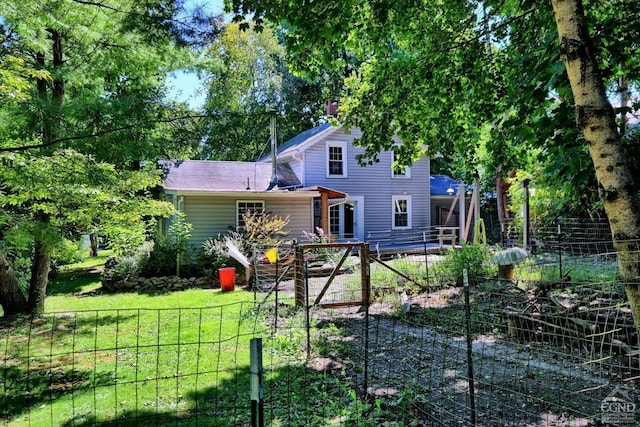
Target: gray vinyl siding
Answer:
[[211, 216], [300, 212], [374, 182]]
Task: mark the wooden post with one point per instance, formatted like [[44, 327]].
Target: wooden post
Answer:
[[324, 214], [365, 277], [472, 206], [525, 215], [462, 214]]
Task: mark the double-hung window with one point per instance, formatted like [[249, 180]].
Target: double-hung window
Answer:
[[401, 212], [399, 171], [247, 207], [336, 159]]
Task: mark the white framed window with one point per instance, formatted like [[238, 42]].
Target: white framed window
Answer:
[[402, 172], [247, 206], [401, 210], [336, 159], [334, 220]]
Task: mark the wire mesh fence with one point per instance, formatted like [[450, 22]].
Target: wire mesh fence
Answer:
[[554, 346]]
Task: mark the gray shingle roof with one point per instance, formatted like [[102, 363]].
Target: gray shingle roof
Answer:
[[223, 176]]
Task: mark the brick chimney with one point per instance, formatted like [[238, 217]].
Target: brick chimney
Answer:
[[332, 108]]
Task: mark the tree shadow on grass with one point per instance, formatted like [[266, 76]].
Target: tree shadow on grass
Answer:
[[294, 395], [73, 282], [35, 371]]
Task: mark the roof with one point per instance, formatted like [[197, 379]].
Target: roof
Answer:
[[301, 138], [441, 183], [223, 176]]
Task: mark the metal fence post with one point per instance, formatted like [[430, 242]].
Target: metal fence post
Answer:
[[467, 306], [560, 250], [257, 398], [298, 275], [307, 308], [366, 278]]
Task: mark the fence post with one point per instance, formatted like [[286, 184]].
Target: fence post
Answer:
[[467, 306], [307, 309], [257, 398], [426, 256], [298, 275], [365, 277], [560, 250]]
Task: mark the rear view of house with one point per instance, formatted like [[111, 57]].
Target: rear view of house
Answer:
[[379, 199]]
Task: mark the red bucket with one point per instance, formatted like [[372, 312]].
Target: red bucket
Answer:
[[227, 278]]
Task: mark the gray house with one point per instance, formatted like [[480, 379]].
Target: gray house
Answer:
[[378, 199], [316, 181]]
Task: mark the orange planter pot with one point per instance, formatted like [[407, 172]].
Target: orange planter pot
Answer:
[[227, 278]]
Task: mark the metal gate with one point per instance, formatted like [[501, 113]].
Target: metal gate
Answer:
[[331, 274]]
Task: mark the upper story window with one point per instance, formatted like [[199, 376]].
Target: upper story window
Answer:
[[248, 206], [336, 159], [401, 212], [401, 171]]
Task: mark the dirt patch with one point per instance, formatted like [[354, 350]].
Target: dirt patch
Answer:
[[418, 366]]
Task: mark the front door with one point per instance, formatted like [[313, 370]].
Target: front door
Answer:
[[346, 219]]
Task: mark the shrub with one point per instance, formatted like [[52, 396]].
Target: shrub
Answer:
[[475, 258], [170, 253], [127, 267], [261, 231]]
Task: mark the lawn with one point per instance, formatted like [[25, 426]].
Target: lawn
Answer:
[[97, 356], [157, 358]]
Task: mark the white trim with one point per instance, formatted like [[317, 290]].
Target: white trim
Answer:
[[274, 194], [304, 145], [358, 229], [394, 203], [264, 208], [407, 169], [343, 146]]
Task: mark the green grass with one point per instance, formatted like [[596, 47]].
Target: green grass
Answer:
[[154, 358]]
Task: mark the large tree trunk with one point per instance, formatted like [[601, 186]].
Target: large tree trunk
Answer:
[[11, 296], [596, 119], [40, 267]]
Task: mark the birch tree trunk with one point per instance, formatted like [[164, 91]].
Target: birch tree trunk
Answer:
[[596, 118]]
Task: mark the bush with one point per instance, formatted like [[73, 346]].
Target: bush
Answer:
[[67, 252], [260, 231], [170, 253], [475, 258], [127, 267]]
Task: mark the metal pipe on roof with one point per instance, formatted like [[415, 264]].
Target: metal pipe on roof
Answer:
[[274, 147]]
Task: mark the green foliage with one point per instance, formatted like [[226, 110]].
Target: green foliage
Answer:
[[247, 80], [264, 230], [260, 231], [512, 108], [476, 259], [67, 252], [170, 252], [125, 267]]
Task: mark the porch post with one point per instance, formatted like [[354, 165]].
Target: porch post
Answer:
[[324, 214]]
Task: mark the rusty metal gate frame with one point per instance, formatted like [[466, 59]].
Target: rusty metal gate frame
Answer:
[[300, 276]]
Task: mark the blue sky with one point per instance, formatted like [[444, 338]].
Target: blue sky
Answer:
[[185, 86]]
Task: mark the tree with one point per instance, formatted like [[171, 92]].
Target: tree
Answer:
[[595, 118], [247, 79], [97, 86], [75, 194], [436, 74]]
